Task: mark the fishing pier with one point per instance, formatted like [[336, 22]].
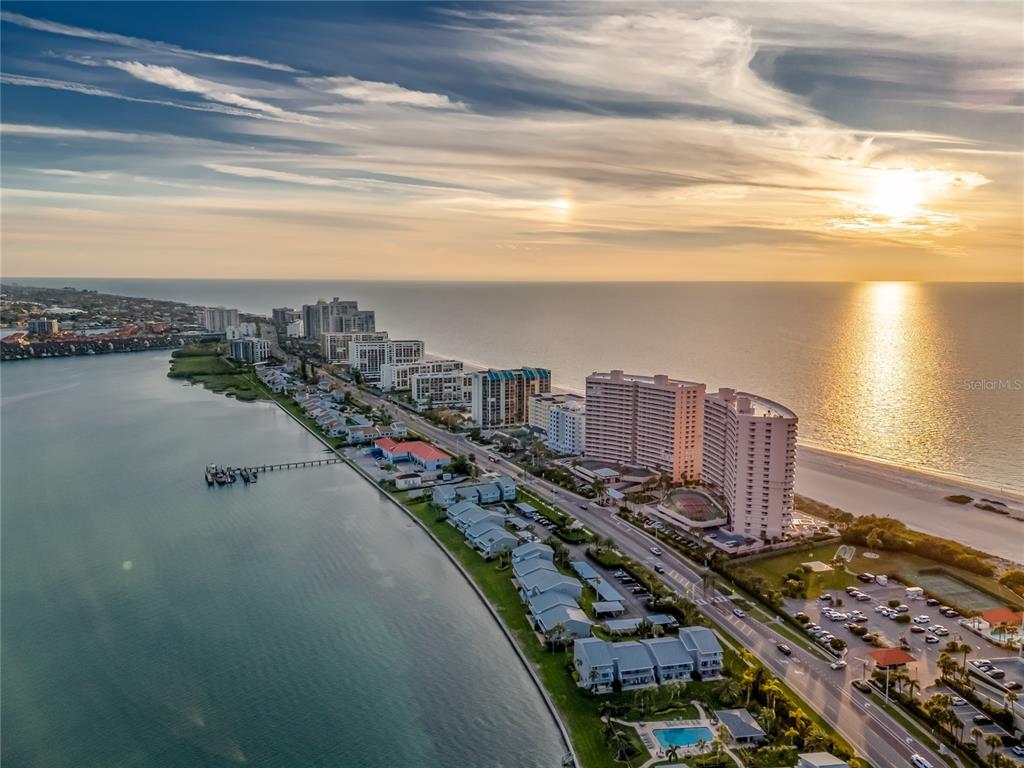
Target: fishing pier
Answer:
[[214, 474]]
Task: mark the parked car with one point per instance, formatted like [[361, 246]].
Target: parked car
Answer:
[[952, 613], [917, 630], [1018, 751], [862, 685], [902, 609], [932, 639], [863, 597], [931, 602], [996, 674], [1013, 685], [941, 631], [784, 649], [922, 619]]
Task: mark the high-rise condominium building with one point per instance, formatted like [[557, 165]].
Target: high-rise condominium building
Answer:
[[398, 375], [440, 388], [499, 398], [336, 316], [250, 350], [283, 316], [367, 357], [219, 319], [539, 407], [567, 427], [749, 458], [335, 347], [648, 421]]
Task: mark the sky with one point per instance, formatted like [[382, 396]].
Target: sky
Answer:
[[505, 141]]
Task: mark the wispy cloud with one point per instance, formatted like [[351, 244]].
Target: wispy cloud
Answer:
[[48, 131], [354, 89], [272, 175], [56, 28]]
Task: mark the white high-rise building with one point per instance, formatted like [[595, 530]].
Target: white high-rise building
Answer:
[[250, 350], [367, 357], [295, 329], [749, 459], [539, 407], [218, 319], [336, 347], [397, 376], [440, 388], [336, 316], [648, 421], [567, 427]]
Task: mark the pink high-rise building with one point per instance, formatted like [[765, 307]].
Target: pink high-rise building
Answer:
[[749, 459], [647, 421]]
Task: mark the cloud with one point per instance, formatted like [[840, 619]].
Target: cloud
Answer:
[[56, 28], [47, 131], [271, 175], [369, 91], [91, 90]]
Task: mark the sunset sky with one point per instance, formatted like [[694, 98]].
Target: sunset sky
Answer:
[[686, 141]]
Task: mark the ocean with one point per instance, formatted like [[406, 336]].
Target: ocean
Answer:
[[928, 376], [303, 621]]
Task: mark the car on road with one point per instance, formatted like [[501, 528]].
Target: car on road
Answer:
[[932, 639], [656, 551], [862, 685], [919, 762], [957, 701], [492, 457], [981, 720], [951, 613], [1013, 685], [583, 505], [917, 630], [1018, 751], [931, 602], [659, 568], [838, 664], [784, 649], [941, 631], [738, 612]]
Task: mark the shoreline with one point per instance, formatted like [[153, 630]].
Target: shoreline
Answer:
[[864, 487], [534, 677]]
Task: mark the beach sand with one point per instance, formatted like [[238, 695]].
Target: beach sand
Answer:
[[864, 487]]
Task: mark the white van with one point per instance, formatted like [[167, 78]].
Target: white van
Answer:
[[882, 580], [919, 761]]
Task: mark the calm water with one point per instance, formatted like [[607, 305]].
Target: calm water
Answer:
[[150, 621], [929, 376]]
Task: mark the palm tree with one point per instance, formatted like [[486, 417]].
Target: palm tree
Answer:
[[994, 742], [1011, 697], [976, 733], [731, 691], [790, 736], [913, 686], [600, 489]]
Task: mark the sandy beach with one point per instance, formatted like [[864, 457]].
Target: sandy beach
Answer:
[[863, 487]]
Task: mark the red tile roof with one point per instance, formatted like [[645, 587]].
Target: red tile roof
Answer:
[[386, 444], [425, 452], [891, 657], [1002, 615]]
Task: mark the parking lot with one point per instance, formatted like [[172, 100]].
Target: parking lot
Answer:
[[967, 712], [941, 629]]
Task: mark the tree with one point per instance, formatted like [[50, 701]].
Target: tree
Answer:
[[672, 753], [600, 489], [976, 733], [874, 539], [994, 742]]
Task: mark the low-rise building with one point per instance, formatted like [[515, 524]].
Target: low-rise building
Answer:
[[533, 550], [422, 454], [443, 496], [408, 480], [540, 581], [525, 567], [595, 665], [491, 540], [820, 760]]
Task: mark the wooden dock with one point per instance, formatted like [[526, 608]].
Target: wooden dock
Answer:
[[295, 464]]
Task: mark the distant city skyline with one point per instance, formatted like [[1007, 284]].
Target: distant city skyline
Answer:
[[478, 141]]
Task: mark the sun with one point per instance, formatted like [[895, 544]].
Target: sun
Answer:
[[897, 194]]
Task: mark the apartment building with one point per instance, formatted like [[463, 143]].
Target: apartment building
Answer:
[[749, 459], [397, 376], [500, 398], [336, 347], [336, 316], [567, 427], [41, 326], [218, 319], [648, 421], [368, 357], [539, 406], [295, 329], [283, 316], [441, 388], [250, 350]]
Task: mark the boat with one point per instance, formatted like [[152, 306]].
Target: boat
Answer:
[[221, 478], [211, 470]]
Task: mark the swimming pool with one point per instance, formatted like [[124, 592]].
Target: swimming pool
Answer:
[[683, 737]]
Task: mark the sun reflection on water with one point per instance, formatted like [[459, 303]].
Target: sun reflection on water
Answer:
[[885, 375]]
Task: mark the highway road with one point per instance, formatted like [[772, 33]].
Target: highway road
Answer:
[[874, 734]]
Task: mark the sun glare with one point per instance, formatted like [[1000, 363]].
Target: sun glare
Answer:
[[897, 194]]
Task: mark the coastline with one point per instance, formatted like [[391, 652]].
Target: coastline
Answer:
[[549, 703], [864, 487]]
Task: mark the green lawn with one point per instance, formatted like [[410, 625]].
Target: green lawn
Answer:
[[215, 373], [775, 569], [579, 711]]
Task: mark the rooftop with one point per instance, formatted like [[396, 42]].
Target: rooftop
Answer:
[[891, 657], [740, 722]]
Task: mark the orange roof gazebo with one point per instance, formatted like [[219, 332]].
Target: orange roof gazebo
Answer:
[[891, 657]]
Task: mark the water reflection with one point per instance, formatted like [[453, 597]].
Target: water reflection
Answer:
[[884, 392]]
